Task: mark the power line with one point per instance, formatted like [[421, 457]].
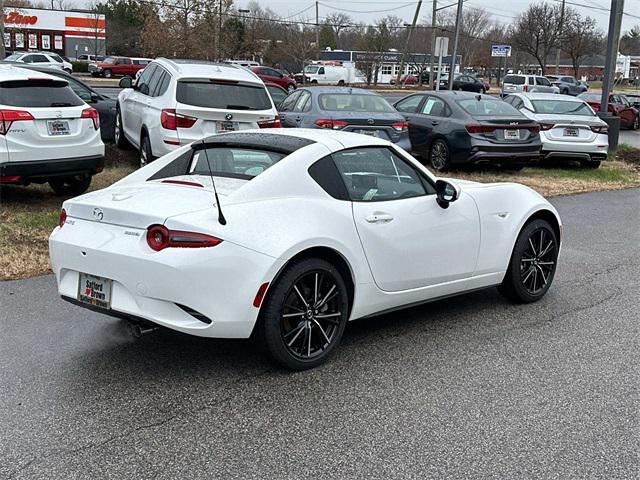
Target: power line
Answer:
[[603, 9], [300, 12], [368, 11]]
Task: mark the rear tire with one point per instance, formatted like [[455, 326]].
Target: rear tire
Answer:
[[636, 123], [532, 265], [440, 156], [300, 324], [146, 156], [118, 132], [70, 186], [106, 73], [593, 164]]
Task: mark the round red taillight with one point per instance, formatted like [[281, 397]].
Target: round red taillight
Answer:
[[62, 218], [158, 237]]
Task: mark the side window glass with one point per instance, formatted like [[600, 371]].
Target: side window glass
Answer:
[[409, 105], [377, 174], [321, 71], [163, 85], [289, 102], [27, 59], [156, 79], [530, 81], [145, 78], [435, 107], [302, 101], [325, 173]]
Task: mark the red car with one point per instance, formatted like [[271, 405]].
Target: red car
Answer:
[[618, 105], [268, 74], [118, 66]]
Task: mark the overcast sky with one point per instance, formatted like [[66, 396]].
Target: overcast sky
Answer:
[[368, 11]]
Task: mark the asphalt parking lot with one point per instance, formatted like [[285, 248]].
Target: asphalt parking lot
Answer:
[[469, 387]]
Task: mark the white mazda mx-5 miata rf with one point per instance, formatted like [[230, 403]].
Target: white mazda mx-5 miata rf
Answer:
[[291, 234]]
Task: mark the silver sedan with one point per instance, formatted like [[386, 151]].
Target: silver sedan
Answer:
[[569, 128]]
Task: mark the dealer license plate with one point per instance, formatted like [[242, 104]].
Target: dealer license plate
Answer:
[[371, 133], [94, 290], [58, 127], [227, 126], [570, 132], [512, 134]]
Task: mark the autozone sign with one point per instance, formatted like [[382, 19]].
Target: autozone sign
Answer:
[[16, 18]]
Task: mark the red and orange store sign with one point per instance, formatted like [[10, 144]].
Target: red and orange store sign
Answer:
[[16, 18]]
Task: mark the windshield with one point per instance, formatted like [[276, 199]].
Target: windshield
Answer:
[[556, 107], [243, 163], [590, 97], [487, 107], [311, 69], [109, 60], [13, 57], [355, 102], [220, 94], [56, 58]]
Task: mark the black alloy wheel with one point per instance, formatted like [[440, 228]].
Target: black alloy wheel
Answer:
[[305, 314], [118, 131], [533, 263], [146, 156], [439, 155]]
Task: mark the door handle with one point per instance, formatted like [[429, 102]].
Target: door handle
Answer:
[[434, 122], [378, 217], [298, 119]]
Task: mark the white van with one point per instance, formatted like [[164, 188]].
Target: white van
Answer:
[[330, 75]]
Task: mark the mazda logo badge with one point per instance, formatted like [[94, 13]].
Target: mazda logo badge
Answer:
[[370, 121], [98, 214], [228, 116]]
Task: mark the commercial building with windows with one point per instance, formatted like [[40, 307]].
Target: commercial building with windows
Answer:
[[68, 33], [389, 62]]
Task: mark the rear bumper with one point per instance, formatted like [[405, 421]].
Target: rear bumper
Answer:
[[596, 150], [206, 292], [490, 153], [42, 170]]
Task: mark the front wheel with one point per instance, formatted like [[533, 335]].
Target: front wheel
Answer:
[[107, 73], [532, 265], [305, 314], [439, 155], [118, 132], [636, 123], [70, 186]]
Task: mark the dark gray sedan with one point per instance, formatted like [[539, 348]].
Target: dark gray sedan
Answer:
[[344, 108], [450, 128]]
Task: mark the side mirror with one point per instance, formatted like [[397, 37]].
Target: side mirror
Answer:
[[126, 82], [95, 97], [445, 193]]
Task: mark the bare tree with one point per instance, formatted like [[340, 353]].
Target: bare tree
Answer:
[[580, 37], [537, 31], [340, 22], [476, 22]]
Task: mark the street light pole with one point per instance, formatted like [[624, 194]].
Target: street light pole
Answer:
[[455, 43], [432, 66]]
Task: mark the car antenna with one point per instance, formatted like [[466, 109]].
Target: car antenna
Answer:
[[221, 219]]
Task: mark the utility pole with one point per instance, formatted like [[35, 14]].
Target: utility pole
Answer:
[[432, 66], [406, 45], [219, 34], [455, 44], [560, 30], [615, 22], [317, 28]]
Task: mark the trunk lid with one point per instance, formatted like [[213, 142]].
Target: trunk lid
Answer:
[[506, 130], [153, 202], [374, 124]]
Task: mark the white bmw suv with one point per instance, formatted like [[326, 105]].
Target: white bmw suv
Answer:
[[176, 102], [47, 133]]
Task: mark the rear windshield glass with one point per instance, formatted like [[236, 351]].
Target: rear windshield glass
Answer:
[[487, 107], [241, 163], [514, 79], [38, 93], [344, 102], [223, 95], [562, 108]]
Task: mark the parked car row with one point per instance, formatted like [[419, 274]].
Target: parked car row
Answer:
[[524, 83]]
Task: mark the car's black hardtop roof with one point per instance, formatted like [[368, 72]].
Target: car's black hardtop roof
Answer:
[[260, 140]]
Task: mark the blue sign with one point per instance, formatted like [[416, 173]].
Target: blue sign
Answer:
[[500, 50]]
